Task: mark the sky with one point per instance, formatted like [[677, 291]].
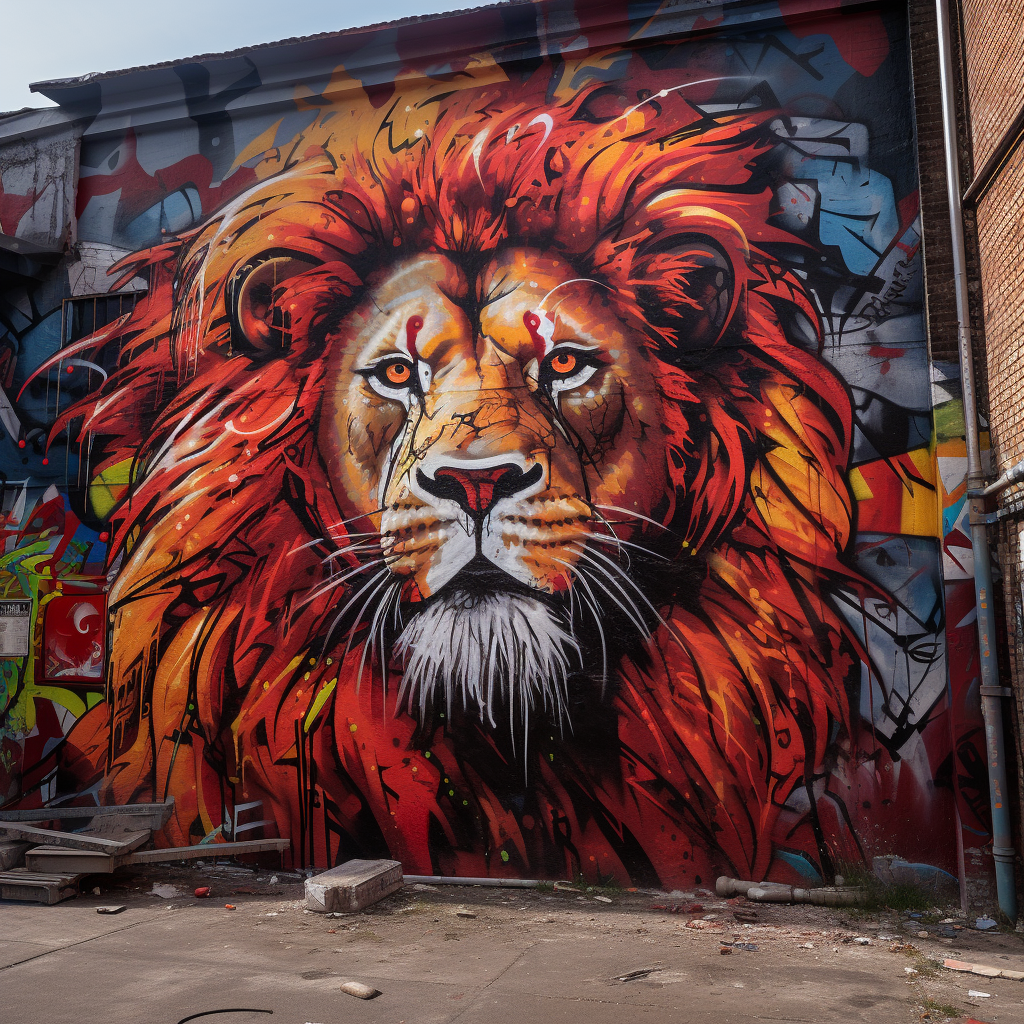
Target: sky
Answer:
[[47, 39]]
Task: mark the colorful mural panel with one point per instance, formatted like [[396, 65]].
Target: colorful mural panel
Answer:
[[520, 465]]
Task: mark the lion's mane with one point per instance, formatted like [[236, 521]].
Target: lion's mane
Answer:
[[219, 686]]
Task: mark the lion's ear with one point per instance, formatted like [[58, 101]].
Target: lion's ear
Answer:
[[259, 323], [685, 271]]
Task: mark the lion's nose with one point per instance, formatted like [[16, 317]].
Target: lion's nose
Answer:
[[477, 491]]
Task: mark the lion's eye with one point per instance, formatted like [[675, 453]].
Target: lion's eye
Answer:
[[564, 368], [398, 374], [391, 376], [564, 363]]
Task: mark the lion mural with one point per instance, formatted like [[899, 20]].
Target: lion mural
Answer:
[[487, 500]]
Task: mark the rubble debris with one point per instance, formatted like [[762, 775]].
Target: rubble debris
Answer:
[[359, 990], [602, 899], [975, 994], [982, 970], [12, 854], [745, 915], [984, 924], [641, 972], [110, 909], [565, 887], [353, 886], [164, 891], [464, 913], [203, 892]]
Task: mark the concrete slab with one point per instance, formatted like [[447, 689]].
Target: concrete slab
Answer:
[[353, 886]]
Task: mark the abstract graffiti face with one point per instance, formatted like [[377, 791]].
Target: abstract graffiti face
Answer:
[[519, 467]]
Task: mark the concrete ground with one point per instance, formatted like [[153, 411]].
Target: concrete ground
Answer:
[[477, 955]]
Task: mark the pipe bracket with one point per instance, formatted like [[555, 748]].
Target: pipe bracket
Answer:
[[996, 691]]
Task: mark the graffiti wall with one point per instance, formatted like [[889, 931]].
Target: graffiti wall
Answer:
[[517, 463]]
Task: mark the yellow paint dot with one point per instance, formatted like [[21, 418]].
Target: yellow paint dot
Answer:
[[266, 685], [686, 543], [353, 727], [306, 676], [312, 661], [330, 661]]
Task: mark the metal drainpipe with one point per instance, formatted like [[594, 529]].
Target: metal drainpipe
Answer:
[[991, 691]]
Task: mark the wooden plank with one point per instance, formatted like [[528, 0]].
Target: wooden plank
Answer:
[[55, 859], [156, 815], [211, 850], [73, 840], [37, 888]]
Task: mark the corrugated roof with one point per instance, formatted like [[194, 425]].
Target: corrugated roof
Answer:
[[56, 84]]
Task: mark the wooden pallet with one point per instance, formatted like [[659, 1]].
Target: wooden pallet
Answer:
[[36, 887]]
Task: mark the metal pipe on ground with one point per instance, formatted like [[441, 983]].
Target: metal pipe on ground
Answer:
[[991, 691], [776, 892], [501, 883]]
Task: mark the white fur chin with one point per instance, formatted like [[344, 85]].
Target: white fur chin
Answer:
[[497, 655]]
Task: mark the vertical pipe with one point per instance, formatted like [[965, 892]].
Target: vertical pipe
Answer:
[[1002, 836]]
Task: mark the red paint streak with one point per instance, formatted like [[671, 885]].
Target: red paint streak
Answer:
[[881, 352], [413, 326], [12, 208], [532, 322], [907, 208]]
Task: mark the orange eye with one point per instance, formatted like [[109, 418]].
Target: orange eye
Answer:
[[398, 374], [564, 362]]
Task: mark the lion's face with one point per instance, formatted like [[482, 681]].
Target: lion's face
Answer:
[[490, 425]]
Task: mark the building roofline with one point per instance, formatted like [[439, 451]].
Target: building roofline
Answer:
[[57, 85]]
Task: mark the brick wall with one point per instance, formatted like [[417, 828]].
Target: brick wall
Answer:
[[992, 59], [1001, 248], [994, 56]]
